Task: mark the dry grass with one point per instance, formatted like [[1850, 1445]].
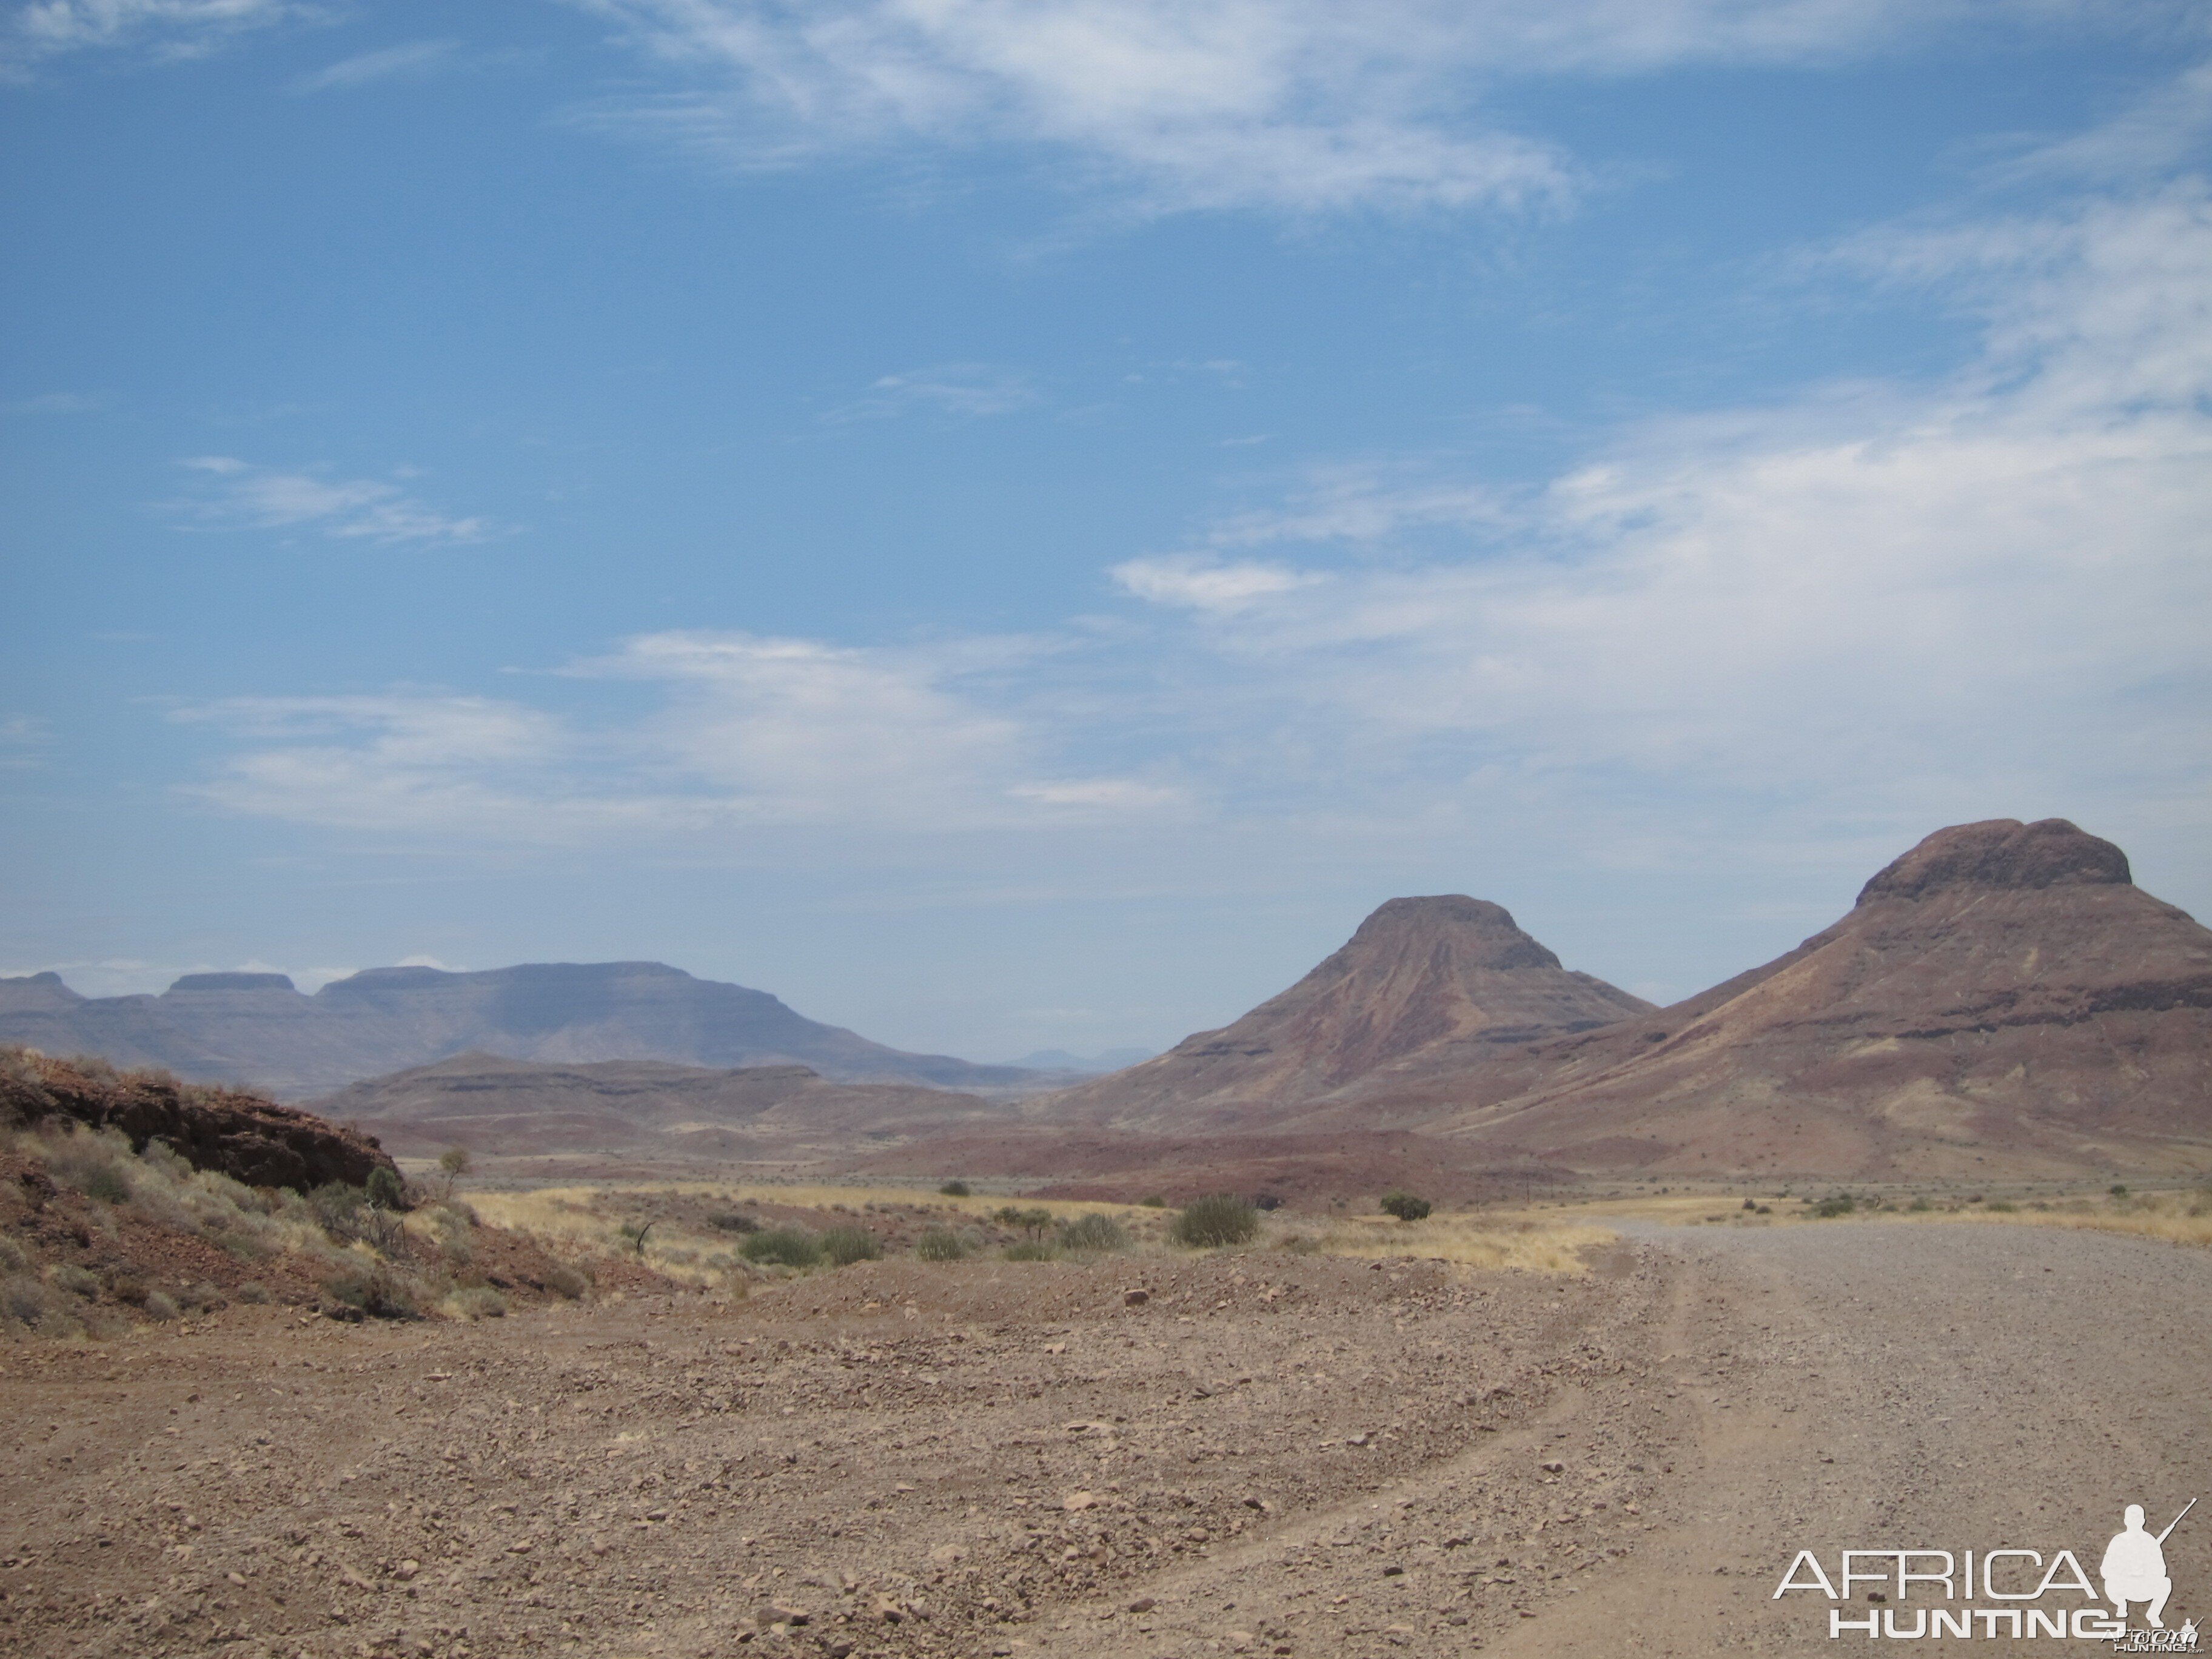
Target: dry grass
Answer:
[[587, 1219], [1528, 1243], [2176, 1217]]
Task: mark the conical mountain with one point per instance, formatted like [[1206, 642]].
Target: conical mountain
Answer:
[[2002, 999], [1425, 981]]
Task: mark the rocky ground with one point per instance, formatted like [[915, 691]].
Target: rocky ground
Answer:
[[1264, 1452]]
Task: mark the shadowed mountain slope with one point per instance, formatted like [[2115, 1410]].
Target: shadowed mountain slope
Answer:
[[258, 1027], [2003, 998], [1444, 983]]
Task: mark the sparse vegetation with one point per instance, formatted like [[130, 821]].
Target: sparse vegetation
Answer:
[[781, 1247], [939, 1245], [1208, 1223], [1405, 1206], [1035, 1222], [845, 1245], [1028, 1249], [1155, 1202], [1836, 1204], [1094, 1234], [730, 1221], [454, 1162]]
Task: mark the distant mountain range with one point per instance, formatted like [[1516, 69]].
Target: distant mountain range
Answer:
[[517, 1108], [2001, 1000], [1060, 1060], [258, 1029]]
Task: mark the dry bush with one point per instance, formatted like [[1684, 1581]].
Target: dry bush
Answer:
[[569, 1282], [1094, 1234], [1210, 1222], [845, 1245], [475, 1302], [939, 1245]]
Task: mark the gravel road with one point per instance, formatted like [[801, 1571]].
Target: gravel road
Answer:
[[1264, 1454]]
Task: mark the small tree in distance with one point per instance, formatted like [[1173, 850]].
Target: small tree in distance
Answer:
[[454, 1160], [1405, 1206]]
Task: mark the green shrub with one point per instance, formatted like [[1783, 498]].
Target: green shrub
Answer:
[[848, 1245], [1405, 1206], [2005, 1206], [939, 1245], [1155, 1202], [782, 1247], [1029, 1249], [1221, 1218], [1834, 1205], [384, 1191], [108, 1186], [2118, 1190], [954, 1189], [1094, 1233], [729, 1221], [1035, 1221]]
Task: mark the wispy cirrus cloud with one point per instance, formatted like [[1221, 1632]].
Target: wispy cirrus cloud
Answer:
[[1298, 105], [749, 732], [235, 494], [165, 28], [965, 390], [412, 60]]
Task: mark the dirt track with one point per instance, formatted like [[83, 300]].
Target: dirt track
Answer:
[[1274, 1453]]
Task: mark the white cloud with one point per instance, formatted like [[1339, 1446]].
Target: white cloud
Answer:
[[963, 389], [169, 28], [411, 61], [1987, 592], [1300, 105], [237, 496], [1203, 584], [749, 732]]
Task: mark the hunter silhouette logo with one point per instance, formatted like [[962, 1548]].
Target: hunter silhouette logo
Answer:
[[2134, 1568], [2008, 1594]]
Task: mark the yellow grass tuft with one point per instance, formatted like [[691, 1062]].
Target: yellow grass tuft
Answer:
[[1485, 1242]]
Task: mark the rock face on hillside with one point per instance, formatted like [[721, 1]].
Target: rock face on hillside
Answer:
[[1426, 984], [238, 1134], [257, 1027], [2003, 998], [511, 1107]]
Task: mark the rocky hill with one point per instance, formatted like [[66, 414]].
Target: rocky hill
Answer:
[[259, 1028], [241, 1135], [1426, 985], [512, 1108], [2001, 999]]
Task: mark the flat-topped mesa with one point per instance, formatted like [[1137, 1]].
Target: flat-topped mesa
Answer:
[[232, 982], [1478, 934], [2002, 852]]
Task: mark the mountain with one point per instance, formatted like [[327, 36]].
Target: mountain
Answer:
[[2003, 998], [511, 1107], [1426, 985], [258, 1027]]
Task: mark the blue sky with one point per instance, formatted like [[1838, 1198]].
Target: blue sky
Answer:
[[1015, 524]]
